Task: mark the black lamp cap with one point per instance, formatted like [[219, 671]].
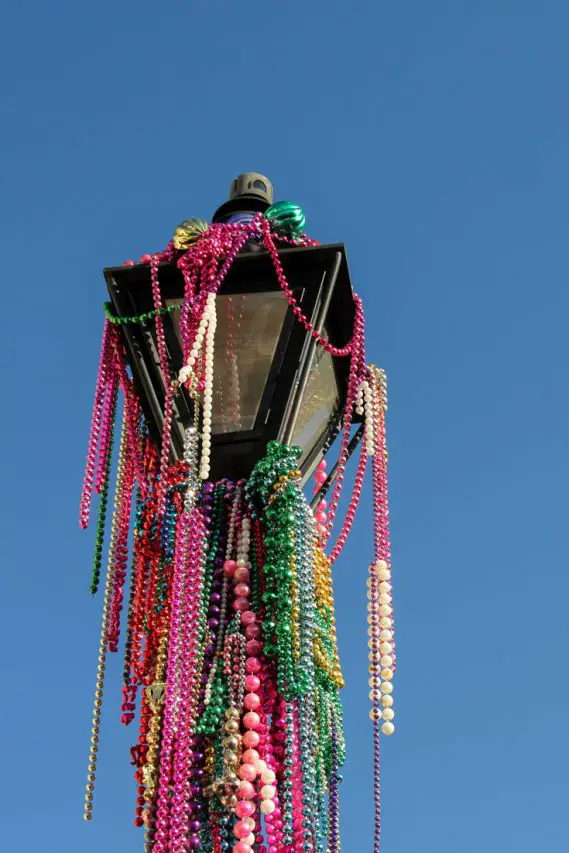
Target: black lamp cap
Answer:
[[250, 192]]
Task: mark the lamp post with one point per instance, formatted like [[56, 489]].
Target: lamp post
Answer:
[[239, 352]]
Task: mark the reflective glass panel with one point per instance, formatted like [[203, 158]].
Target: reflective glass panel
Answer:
[[248, 330], [320, 401]]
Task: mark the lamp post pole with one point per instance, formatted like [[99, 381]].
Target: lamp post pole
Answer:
[[238, 356]]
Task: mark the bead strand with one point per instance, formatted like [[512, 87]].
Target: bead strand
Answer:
[[320, 516], [100, 389], [188, 693], [229, 567], [117, 509], [380, 596], [133, 414], [172, 688], [139, 319], [357, 354], [369, 416], [386, 661], [168, 385], [320, 339], [158, 321], [333, 801], [155, 694], [208, 392], [102, 516], [187, 370], [107, 425], [98, 701], [352, 506], [382, 565], [165, 447]]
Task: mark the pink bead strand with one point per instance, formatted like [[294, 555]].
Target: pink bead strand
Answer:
[[120, 556], [107, 423], [159, 321], [165, 449], [320, 339], [133, 413], [353, 505], [188, 688], [168, 388], [100, 389], [355, 376], [162, 825]]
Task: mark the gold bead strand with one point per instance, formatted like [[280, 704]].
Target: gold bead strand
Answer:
[[155, 694], [99, 683]]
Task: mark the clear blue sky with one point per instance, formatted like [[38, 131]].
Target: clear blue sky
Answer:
[[432, 138]]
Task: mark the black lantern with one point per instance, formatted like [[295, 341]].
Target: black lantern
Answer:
[[272, 381]]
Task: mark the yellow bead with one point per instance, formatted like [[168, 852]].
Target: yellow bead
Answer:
[[388, 728], [388, 713], [386, 687], [387, 674]]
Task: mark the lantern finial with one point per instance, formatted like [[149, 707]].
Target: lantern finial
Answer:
[[250, 193], [252, 183]]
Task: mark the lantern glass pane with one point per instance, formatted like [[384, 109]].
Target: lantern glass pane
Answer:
[[248, 331], [320, 401]]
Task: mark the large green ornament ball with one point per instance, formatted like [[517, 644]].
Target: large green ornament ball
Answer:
[[188, 232], [286, 217]]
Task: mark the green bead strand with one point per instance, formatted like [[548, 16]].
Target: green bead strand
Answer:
[[139, 318]]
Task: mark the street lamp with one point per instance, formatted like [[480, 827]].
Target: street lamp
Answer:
[[272, 381], [239, 352]]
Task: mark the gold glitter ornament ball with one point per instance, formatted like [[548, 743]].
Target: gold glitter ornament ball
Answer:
[[188, 232]]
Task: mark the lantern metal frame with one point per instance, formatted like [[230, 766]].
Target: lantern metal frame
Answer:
[[319, 279]]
